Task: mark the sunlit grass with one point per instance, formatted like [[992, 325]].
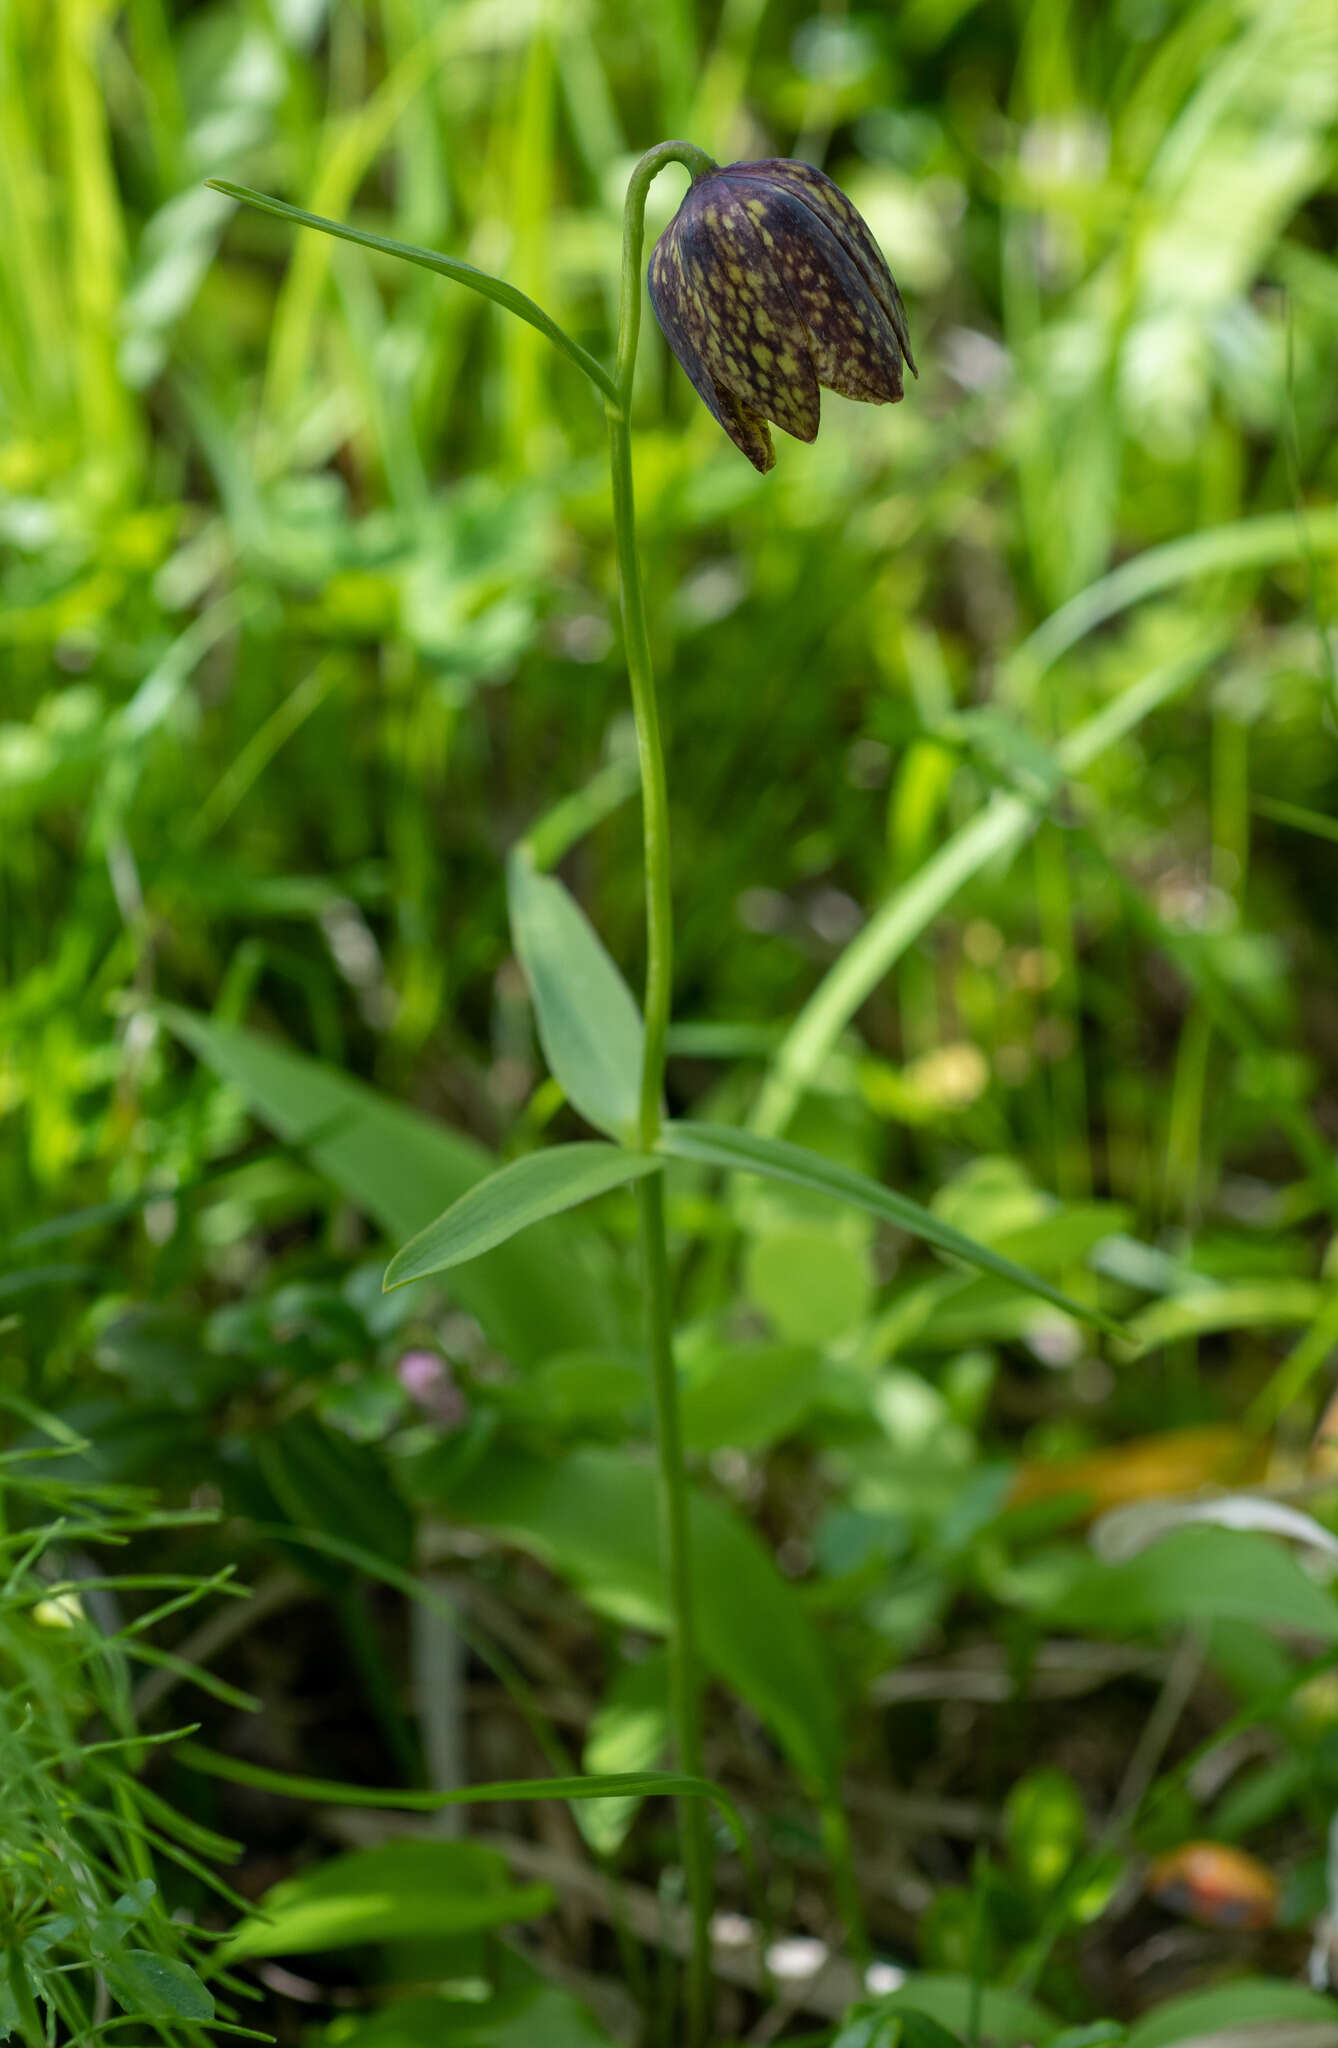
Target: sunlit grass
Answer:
[[1000, 721]]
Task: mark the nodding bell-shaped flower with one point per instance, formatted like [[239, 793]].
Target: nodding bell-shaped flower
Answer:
[[768, 285]]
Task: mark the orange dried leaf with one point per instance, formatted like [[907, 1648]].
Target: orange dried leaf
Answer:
[[1175, 1462]]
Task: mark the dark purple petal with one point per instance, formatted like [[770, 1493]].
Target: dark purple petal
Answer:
[[753, 341], [768, 286], [683, 321], [854, 346], [748, 431], [678, 317], [829, 202]]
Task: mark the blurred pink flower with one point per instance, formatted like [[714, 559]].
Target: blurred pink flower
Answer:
[[426, 1379]]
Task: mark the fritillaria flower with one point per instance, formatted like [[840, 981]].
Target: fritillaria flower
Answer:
[[768, 285]]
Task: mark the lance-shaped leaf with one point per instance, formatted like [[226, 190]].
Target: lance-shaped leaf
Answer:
[[588, 1021], [396, 1891], [533, 1297], [776, 1159], [588, 1786], [482, 281], [541, 1184]]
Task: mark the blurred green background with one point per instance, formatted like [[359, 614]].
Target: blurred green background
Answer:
[[305, 598], [306, 559]]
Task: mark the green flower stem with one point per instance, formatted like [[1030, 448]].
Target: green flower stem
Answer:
[[641, 675], [684, 1685], [654, 793]]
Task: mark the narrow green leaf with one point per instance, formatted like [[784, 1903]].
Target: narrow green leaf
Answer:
[[331, 1792], [777, 1159], [1264, 541], [577, 813], [1238, 1305], [482, 281], [158, 1986], [402, 1169], [542, 1184], [955, 1309], [1297, 815], [994, 833], [629, 1731], [588, 1021], [391, 1893]]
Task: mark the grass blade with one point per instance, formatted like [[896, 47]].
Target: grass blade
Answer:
[[899, 920], [329, 1792], [1260, 543]]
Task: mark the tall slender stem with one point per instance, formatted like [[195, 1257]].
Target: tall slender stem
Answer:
[[684, 1686], [654, 792], [640, 672]]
